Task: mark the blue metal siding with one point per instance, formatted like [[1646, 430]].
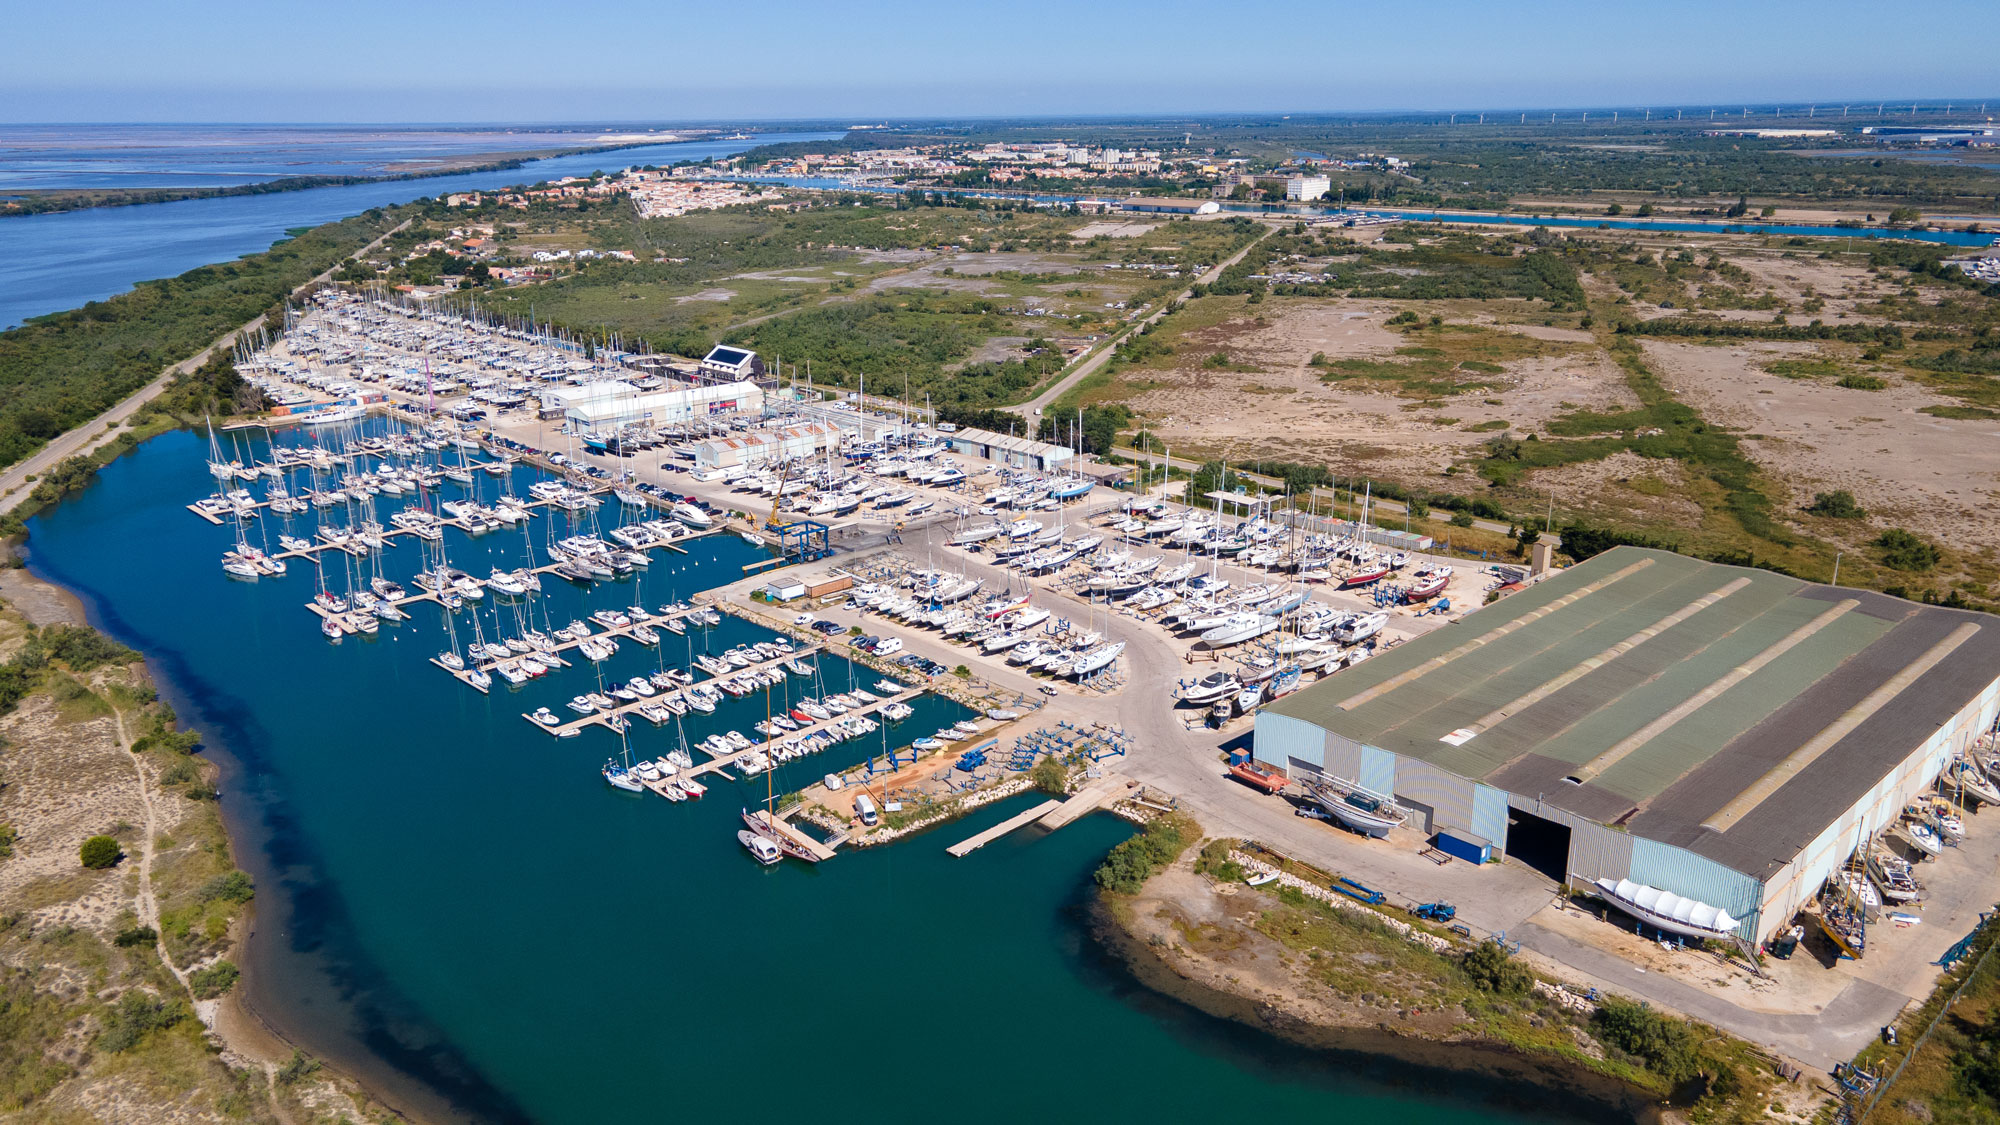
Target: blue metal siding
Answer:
[[1489, 815], [1378, 770], [1689, 875], [1280, 738]]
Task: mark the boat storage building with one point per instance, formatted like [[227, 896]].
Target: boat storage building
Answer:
[[614, 402], [1727, 734]]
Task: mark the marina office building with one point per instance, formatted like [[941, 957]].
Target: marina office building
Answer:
[[1726, 734]]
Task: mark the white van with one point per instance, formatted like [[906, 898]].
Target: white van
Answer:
[[865, 809]]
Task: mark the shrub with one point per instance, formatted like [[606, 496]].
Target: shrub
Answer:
[[132, 936], [1133, 861], [1838, 505], [135, 1015], [1667, 1046], [1493, 969], [1902, 550], [100, 852], [1049, 776], [7, 838], [213, 981], [233, 887]]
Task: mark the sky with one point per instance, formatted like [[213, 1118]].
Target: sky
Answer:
[[668, 60]]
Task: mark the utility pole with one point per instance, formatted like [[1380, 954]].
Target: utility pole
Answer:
[[1836, 568]]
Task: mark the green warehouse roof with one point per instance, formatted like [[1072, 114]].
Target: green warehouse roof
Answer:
[[1722, 709]]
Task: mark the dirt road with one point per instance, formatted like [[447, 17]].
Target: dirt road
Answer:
[[1033, 407]]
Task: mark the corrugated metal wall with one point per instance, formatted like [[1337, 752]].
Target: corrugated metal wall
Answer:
[[1281, 738], [1489, 815], [1689, 875], [1342, 756], [1447, 795], [1595, 852], [1799, 881], [1378, 770]]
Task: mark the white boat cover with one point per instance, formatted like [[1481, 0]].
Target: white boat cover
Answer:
[[1669, 910]]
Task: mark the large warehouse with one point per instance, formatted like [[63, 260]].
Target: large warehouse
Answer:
[[615, 403], [1725, 734]]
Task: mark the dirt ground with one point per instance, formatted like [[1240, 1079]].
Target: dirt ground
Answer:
[[1934, 476], [1283, 409]]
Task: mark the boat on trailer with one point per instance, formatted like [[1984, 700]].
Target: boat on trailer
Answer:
[[1668, 911], [1364, 810]]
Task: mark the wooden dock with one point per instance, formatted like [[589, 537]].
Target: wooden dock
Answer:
[[968, 846], [777, 826]]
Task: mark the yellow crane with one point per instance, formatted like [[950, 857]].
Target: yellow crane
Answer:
[[784, 473]]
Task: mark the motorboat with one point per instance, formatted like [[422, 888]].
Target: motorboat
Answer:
[[1208, 689], [1239, 628]]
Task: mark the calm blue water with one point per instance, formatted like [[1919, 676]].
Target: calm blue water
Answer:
[[457, 905], [163, 156], [1949, 238], [53, 262]]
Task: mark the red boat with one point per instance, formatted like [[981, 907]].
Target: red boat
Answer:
[[1373, 573], [1267, 781], [1427, 589]]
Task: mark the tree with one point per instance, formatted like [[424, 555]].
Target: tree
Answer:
[[1739, 208], [100, 852], [1902, 215]]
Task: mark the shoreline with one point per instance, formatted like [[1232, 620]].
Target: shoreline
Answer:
[[1500, 1074], [250, 1032], [92, 199]]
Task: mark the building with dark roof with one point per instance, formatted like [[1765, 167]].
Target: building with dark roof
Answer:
[[725, 364], [1727, 734]]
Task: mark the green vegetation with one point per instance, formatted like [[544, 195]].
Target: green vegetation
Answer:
[[58, 371], [55, 650], [1050, 776], [1837, 505], [100, 852], [1134, 860], [1444, 361], [1903, 550], [211, 982]]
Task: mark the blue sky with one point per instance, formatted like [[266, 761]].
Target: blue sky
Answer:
[[633, 60]]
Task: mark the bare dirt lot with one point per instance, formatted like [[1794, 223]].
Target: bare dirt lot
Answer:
[[1273, 402], [1934, 476]]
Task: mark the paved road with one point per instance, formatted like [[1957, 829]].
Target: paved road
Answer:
[[1099, 358], [103, 428]]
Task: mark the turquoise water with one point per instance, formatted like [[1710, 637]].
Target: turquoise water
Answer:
[[455, 904]]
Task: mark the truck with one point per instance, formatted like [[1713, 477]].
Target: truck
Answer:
[[865, 809]]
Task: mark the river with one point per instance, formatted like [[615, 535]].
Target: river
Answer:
[[455, 906], [59, 261]]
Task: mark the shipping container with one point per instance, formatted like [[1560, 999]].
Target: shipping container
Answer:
[[1463, 845], [829, 586]]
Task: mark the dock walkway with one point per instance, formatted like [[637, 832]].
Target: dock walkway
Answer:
[[1087, 799], [973, 844]]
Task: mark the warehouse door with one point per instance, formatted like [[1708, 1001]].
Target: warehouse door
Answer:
[[1539, 843]]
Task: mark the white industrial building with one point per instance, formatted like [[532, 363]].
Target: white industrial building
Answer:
[[615, 403], [1307, 188], [759, 447]]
